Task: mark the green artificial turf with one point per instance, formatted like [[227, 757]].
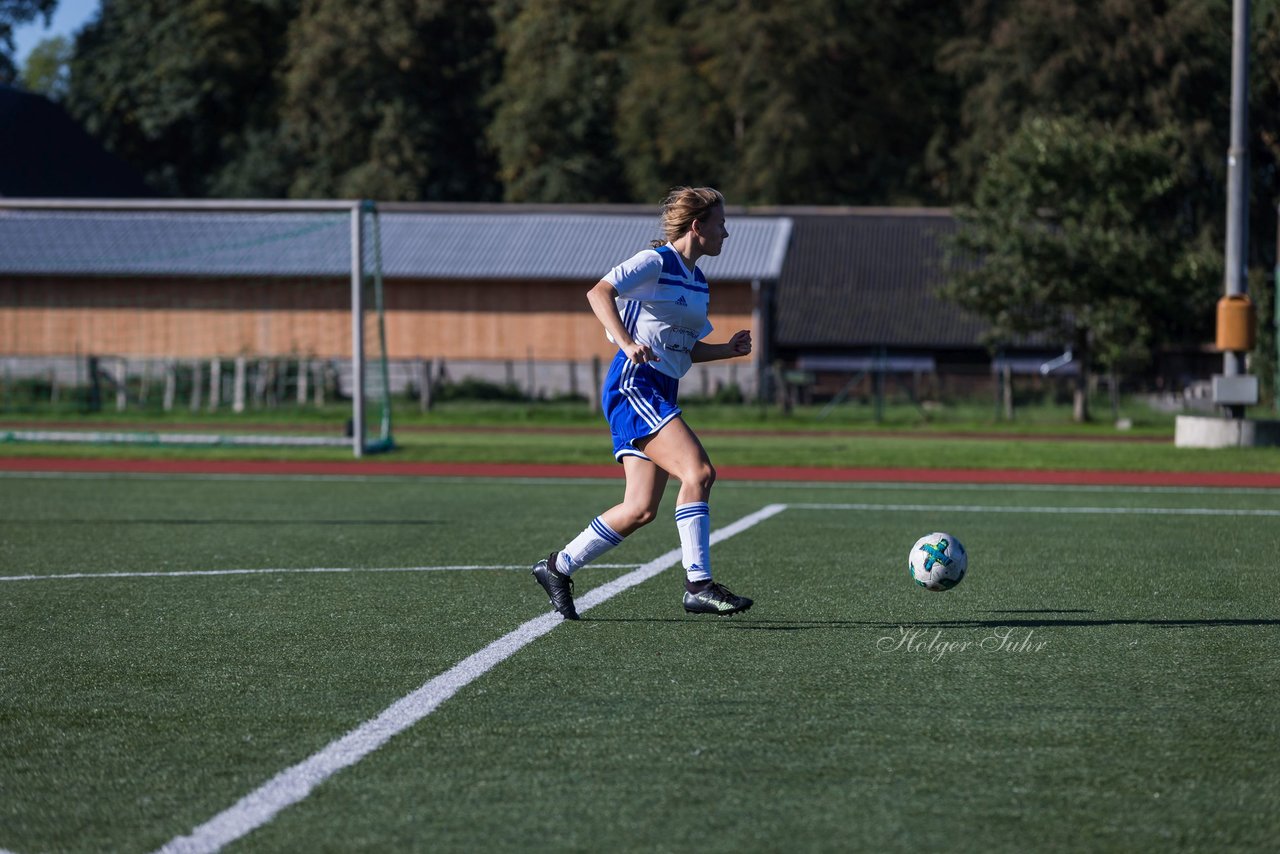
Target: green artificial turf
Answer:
[[1101, 680]]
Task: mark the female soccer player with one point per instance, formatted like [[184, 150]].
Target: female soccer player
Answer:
[[654, 307]]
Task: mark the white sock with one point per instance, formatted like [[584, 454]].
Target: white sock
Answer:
[[693, 520], [595, 539]]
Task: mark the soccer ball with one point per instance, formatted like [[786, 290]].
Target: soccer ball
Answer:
[[937, 562]]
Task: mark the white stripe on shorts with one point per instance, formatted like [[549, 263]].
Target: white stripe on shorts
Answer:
[[642, 406]]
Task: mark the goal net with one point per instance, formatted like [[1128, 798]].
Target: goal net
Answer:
[[213, 323]]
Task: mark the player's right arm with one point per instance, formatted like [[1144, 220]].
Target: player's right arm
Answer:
[[604, 302]]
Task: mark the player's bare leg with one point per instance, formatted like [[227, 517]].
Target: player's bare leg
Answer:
[[678, 452], [645, 485], [676, 449]]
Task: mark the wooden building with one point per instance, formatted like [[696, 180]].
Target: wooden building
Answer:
[[467, 284]]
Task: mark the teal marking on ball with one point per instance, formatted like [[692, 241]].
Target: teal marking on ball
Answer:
[[936, 554]]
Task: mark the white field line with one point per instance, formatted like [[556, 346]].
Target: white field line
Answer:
[[974, 508], [915, 508], [295, 783], [281, 571]]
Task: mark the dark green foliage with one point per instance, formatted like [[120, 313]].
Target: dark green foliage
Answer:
[[15, 13], [381, 101], [1262, 290], [184, 91], [310, 100], [810, 102], [1084, 238], [1133, 64], [45, 71], [555, 104], [796, 103], [474, 389]]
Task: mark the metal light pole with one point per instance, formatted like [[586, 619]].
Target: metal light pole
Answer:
[[1233, 389], [1238, 167]]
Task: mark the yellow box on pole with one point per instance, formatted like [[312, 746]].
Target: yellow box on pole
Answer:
[[1237, 322]]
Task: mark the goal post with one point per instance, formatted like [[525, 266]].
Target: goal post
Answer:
[[196, 310]]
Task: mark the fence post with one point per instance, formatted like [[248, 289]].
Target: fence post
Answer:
[[319, 378], [1008, 390], [170, 384], [425, 370], [780, 388], [145, 383], [304, 372], [596, 382], [237, 390], [122, 377], [215, 384], [95, 386], [197, 384]]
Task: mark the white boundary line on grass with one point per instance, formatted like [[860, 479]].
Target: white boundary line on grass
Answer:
[[295, 783], [870, 507], [976, 508], [183, 573]]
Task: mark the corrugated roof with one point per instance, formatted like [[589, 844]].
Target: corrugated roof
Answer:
[[560, 246], [414, 245], [868, 279], [174, 243]]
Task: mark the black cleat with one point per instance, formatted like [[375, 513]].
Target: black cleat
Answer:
[[715, 599], [558, 586]]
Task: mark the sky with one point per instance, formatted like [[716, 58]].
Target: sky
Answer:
[[70, 16]]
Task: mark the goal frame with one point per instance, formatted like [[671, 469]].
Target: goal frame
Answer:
[[357, 208]]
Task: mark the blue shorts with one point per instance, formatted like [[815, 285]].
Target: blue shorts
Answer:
[[637, 401]]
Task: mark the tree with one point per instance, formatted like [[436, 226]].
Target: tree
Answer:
[[809, 102], [303, 98], [554, 106], [382, 100], [45, 72], [15, 13], [183, 91], [1264, 88], [1136, 65], [1079, 234]]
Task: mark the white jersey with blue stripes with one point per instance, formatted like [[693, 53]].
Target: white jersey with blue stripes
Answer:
[[664, 305]]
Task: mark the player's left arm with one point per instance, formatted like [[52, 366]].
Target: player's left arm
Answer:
[[738, 345]]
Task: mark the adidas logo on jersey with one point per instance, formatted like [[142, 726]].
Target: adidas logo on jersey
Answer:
[[681, 301]]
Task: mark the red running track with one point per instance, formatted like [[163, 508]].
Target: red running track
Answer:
[[1260, 480]]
